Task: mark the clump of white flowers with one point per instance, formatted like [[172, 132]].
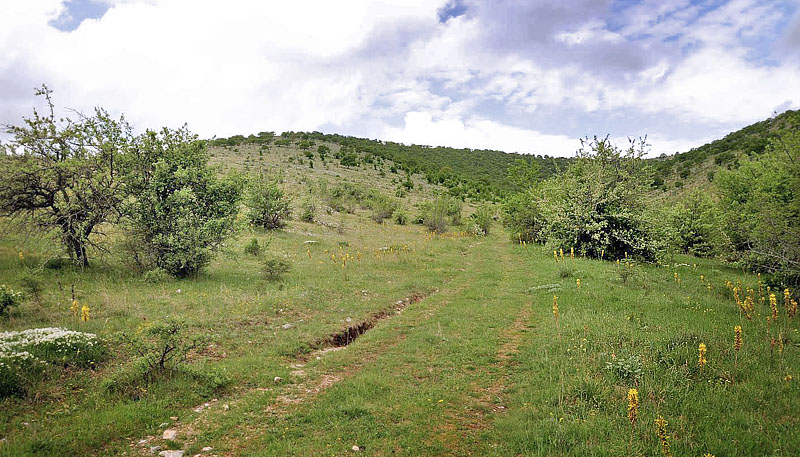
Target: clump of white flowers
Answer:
[[25, 354]]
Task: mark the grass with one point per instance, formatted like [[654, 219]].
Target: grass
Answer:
[[476, 366]]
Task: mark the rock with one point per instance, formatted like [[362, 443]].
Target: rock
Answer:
[[143, 441], [348, 320], [277, 379], [286, 326], [226, 407], [171, 453], [179, 291], [207, 449], [356, 448], [169, 434], [154, 449], [173, 418], [163, 424], [198, 409]]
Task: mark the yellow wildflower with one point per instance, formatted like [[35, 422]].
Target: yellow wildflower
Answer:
[[701, 355], [74, 308], [85, 313], [773, 305], [633, 405], [737, 340], [663, 438], [555, 307], [578, 282]]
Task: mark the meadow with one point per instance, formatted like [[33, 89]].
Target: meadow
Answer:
[[464, 353]]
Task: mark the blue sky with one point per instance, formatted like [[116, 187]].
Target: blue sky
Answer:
[[519, 76]]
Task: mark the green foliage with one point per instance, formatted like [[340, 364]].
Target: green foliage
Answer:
[[761, 206], [599, 203], [523, 217], [9, 298], [67, 178], [160, 348], [308, 210], [253, 248], [176, 205], [382, 207], [400, 216], [524, 173], [274, 267], [483, 218], [155, 276], [437, 214], [33, 283], [626, 369], [694, 223], [268, 206]]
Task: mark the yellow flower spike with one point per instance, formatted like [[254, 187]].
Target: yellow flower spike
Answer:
[[787, 299], [737, 338], [578, 282], [21, 256], [555, 308], [555, 255], [633, 405], [792, 309], [702, 277], [708, 454], [561, 252], [308, 251], [663, 438], [74, 308], [85, 313], [676, 277], [701, 355], [773, 305], [571, 253]]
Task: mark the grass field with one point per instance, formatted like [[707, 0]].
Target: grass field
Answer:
[[464, 356]]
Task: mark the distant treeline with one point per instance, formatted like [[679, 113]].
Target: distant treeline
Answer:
[[478, 174]]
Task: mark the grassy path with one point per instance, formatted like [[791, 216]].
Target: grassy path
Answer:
[[424, 381]]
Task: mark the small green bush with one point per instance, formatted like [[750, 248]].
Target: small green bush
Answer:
[[268, 206], [400, 216], [626, 369], [308, 211], [274, 268], [8, 299], [253, 248], [155, 276], [32, 282], [483, 218]]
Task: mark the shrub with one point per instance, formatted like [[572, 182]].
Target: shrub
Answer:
[[382, 206], [176, 206], [483, 218], [32, 283], [268, 206], [308, 211], [8, 299], [253, 248], [522, 216], [400, 216], [598, 204], [161, 348], [274, 267], [155, 276], [437, 214]]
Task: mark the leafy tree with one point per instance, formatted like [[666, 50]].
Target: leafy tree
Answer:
[[322, 150], [598, 204], [437, 214], [524, 173], [695, 224], [523, 217], [483, 218], [177, 207], [761, 208], [64, 174], [268, 206]]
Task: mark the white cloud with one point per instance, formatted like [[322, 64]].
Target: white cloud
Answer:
[[477, 133], [361, 66]]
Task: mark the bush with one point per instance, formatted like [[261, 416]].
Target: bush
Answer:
[[161, 348], [155, 276], [437, 214], [176, 207], [483, 218], [598, 204], [268, 206], [308, 211], [253, 248], [522, 216], [400, 216], [273, 268], [8, 299], [32, 283], [695, 225], [382, 206], [626, 369]]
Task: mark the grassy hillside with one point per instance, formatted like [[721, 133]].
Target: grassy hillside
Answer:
[[696, 167], [470, 173]]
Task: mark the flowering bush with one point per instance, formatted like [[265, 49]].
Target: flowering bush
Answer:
[[8, 298], [24, 355]]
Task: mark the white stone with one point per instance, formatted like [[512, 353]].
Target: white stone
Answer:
[[207, 449], [286, 326], [171, 453], [169, 434], [277, 379], [356, 448]]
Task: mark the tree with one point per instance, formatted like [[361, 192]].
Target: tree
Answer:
[[176, 207], [268, 206], [524, 173], [64, 173], [598, 205], [761, 207]]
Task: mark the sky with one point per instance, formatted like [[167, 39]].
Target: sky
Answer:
[[511, 75]]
